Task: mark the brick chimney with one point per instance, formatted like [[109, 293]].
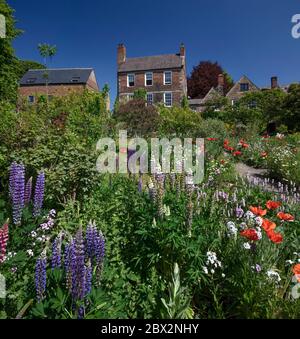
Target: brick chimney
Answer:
[[274, 82], [221, 83], [182, 50], [121, 53]]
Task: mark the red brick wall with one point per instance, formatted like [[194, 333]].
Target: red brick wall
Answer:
[[177, 87], [55, 90]]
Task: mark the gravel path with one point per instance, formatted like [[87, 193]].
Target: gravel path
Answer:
[[247, 171]]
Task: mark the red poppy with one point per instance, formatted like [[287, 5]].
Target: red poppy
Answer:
[[226, 142], [229, 149], [264, 154], [273, 205], [237, 153], [258, 211], [285, 216], [296, 271], [268, 225], [245, 145], [211, 139], [250, 234], [275, 237]]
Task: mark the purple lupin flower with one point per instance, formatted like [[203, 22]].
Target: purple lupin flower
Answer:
[[28, 191], [78, 268], [39, 194], [95, 245], [40, 276], [90, 240], [88, 279], [81, 311], [69, 258], [56, 252], [99, 243], [16, 189]]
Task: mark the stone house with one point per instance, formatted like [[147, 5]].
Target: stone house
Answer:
[[243, 86], [162, 76], [57, 82]]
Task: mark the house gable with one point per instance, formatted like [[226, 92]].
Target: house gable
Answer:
[[236, 91]]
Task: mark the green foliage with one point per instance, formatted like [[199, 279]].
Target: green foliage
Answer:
[[177, 121], [178, 306], [47, 51], [291, 106], [8, 62], [138, 118], [26, 65], [140, 94]]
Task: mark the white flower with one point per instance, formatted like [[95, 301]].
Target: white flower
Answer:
[[223, 275], [247, 246], [33, 234], [232, 230], [259, 234], [30, 253], [259, 221], [289, 262], [250, 215], [212, 271], [273, 276], [205, 270], [243, 226]]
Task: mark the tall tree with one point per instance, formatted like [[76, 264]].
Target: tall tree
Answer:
[[8, 61], [47, 52], [204, 77]]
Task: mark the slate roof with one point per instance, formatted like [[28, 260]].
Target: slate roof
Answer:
[[56, 76], [151, 63]]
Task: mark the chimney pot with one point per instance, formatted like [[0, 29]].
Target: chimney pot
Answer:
[[182, 50]]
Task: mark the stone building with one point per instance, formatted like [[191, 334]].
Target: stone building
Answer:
[[162, 76], [57, 82]]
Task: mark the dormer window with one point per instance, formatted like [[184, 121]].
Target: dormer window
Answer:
[[130, 80], [75, 79], [244, 87]]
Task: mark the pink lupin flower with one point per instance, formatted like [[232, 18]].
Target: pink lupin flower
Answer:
[[3, 241]]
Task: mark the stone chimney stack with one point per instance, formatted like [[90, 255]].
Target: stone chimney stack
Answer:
[[182, 50], [121, 53], [274, 82], [221, 83]]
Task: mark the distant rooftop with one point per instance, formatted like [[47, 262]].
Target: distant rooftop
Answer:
[[59, 76], [167, 61]]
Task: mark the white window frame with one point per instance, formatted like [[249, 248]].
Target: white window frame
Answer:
[[170, 83], [165, 103], [128, 75], [152, 101], [130, 97], [147, 73]]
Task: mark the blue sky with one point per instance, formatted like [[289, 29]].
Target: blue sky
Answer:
[[245, 37]]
